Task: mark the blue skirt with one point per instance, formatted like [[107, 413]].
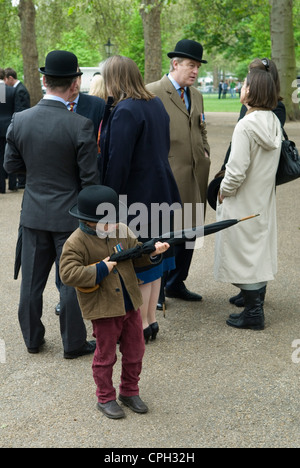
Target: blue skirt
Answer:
[[157, 271]]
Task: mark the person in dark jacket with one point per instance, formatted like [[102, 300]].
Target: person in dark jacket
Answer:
[[7, 109], [91, 107], [135, 143], [22, 103]]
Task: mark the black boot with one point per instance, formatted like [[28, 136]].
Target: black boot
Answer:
[[237, 300], [253, 315], [241, 300]]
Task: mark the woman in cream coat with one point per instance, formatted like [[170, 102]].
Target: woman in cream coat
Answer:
[[246, 255]]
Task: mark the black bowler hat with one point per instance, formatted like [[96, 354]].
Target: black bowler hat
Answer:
[[89, 201], [61, 64], [213, 190], [188, 49]]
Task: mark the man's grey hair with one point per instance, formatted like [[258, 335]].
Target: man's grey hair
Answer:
[[178, 59]]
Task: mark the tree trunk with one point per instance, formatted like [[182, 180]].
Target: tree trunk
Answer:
[[150, 12], [29, 51], [283, 52]]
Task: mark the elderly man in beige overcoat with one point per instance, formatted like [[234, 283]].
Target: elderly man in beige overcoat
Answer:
[[189, 149]]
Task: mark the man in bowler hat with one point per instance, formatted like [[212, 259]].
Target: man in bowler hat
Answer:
[[58, 151], [189, 151]]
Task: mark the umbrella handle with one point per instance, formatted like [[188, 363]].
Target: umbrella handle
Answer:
[[248, 217]]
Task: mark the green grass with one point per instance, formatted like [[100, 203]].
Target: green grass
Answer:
[[213, 104]]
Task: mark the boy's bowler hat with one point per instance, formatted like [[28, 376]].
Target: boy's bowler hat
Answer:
[[61, 64], [188, 49], [98, 202]]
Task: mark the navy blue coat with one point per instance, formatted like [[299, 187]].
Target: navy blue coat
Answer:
[[135, 143], [91, 107]]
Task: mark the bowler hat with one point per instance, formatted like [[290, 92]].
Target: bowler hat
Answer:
[[98, 202], [213, 189], [61, 64], [188, 49]]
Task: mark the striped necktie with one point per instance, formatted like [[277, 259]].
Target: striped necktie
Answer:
[[182, 95], [72, 104]]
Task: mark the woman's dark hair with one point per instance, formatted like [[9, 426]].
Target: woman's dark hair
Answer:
[[268, 65], [262, 89]]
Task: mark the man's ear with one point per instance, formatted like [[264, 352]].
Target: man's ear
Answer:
[[44, 81]]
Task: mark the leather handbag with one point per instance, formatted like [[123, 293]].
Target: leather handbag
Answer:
[[289, 162]]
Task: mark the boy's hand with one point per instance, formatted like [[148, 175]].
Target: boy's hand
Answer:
[[110, 265], [161, 247]]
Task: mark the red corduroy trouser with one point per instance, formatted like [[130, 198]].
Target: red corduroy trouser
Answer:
[[128, 330]]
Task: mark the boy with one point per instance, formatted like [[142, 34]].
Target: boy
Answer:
[[108, 294]]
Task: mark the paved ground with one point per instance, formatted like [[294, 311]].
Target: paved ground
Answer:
[[207, 385]]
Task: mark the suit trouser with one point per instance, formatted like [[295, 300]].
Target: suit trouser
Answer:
[[183, 259], [39, 251]]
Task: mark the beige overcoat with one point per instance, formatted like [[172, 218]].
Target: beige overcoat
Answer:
[[188, 137], [247, 252]]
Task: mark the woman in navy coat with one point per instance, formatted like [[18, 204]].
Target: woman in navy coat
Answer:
[[135, 143]]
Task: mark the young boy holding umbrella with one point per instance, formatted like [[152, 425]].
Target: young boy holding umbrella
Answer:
[[108, 294]]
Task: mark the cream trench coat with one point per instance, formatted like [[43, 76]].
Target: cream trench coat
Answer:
[[247, 253], [188, 137]]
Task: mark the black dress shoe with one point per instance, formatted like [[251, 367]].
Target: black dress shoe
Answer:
[[57, 309], [36, 349], [88, 348], [111, 409], [183, 294], [134, 403]]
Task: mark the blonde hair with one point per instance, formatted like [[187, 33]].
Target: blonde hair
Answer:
[[123, 80], [97, 87]]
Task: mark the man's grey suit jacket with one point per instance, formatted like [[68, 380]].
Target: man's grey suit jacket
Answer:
[[58, 151]]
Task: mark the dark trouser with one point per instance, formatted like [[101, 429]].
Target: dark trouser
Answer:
[[39, 250], [183, 259]]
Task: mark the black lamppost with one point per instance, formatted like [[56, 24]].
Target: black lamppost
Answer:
[[108, 48]]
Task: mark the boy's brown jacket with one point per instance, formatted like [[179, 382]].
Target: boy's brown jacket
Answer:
[[79, 254]]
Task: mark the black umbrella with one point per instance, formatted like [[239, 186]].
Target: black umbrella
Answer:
[[172, 238], [175, 238]]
